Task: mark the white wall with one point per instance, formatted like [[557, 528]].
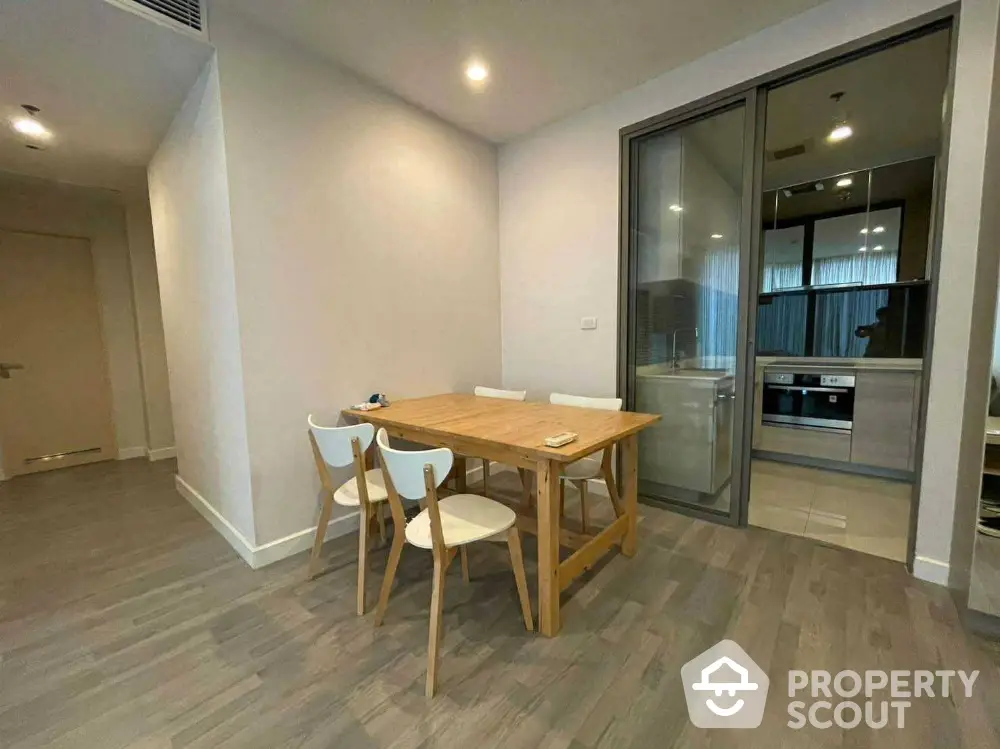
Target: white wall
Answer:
[[559, 225], [33, 205], [149, 324], [189, 201], [365, 242]]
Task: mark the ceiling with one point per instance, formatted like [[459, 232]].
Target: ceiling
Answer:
[[547, 58], [108, 83], [893, 99]]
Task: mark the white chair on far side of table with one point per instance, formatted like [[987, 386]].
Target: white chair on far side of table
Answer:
[[595, 465], [510, 395], [338, 447], [444, 526]]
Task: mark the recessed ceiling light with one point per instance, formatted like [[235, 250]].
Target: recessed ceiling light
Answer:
[[845, 182], [878, 229], [676, 208], [862, 249], [716, 236], [476, 72], [878, 248], [839, 133], [865, 230], [31, 127]]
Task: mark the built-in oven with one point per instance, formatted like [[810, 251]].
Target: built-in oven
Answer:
[[809, 400]]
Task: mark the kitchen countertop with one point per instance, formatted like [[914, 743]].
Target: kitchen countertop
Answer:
[[809, 362], [665, 372]]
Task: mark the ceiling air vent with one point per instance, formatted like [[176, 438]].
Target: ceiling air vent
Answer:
[[185, 12], [185, 15], [798, 149]]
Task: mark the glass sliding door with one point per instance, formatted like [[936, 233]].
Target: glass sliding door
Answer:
[[684, 252]]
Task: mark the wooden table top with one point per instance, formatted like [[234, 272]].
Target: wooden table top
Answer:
[[521, 427]]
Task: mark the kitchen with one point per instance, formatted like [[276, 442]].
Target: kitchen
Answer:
[[843, 269]]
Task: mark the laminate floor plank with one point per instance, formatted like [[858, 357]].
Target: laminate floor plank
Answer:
[[126, 622]]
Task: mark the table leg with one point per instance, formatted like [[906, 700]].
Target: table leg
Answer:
[[630, 488], [460, 475], [548, 547]]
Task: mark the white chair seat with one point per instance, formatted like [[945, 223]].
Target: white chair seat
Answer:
[[347, 494], [465, 518], [582, 469]]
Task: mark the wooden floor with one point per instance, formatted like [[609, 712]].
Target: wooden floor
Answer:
[[126, 621]]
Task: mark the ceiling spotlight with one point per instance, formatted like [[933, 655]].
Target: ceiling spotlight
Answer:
[[878, 248], [476, 72], [862, 249], [31, 128], [716, 236], [865, 230], [845, 182], [839, 133], [878, 229], [676, 208]]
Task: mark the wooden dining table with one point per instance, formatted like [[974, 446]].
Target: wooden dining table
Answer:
[[513, 433]]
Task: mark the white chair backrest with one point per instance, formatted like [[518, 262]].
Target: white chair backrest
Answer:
[[580, 401], [406, 467], [510, 395], [335, 442]]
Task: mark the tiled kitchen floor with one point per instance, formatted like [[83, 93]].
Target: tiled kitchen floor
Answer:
[[856, 512]]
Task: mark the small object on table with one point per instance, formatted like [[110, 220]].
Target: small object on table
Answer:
[[558, 440], [379, 399], [368, 406]]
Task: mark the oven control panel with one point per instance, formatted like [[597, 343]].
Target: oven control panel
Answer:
[[836, 381]]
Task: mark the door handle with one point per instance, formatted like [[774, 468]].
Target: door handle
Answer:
[[6, 367]]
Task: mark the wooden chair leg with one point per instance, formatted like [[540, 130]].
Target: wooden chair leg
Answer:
[[324, 521], [365, 522], [464, 550], [380, 511], [581, 486], [437, 610], [517, 562], [486, 477], [527, 501], [398, 540]]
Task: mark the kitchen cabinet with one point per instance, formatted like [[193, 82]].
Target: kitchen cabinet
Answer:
[[691, 447], [885, 419]]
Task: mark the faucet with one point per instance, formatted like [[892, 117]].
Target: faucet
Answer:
[[674, 361]]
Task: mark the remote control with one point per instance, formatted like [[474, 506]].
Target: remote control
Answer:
[[559, 440]]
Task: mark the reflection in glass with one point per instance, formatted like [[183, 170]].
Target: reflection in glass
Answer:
[[860, 249], [685, 235], [781, 325], [782, 268], [824, 242]]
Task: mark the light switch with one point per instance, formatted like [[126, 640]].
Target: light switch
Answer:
[[588, 323]]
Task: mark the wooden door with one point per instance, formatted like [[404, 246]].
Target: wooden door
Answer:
[[55, 396]]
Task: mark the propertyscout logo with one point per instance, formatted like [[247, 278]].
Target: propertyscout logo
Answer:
[[724, 688]]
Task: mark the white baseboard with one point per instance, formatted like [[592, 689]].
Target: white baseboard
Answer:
[[260, 556], [930, 570], [130, 453], [162, 453]]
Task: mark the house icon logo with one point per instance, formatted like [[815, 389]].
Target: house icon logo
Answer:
[[724, 688]]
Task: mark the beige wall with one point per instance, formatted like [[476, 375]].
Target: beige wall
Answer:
[[365, 242], [189, 201], [33, 205], [559, 219]]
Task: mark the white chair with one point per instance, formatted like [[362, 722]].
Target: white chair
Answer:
[[511, 395], [595, 465], [444, 526], [337, 447]]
